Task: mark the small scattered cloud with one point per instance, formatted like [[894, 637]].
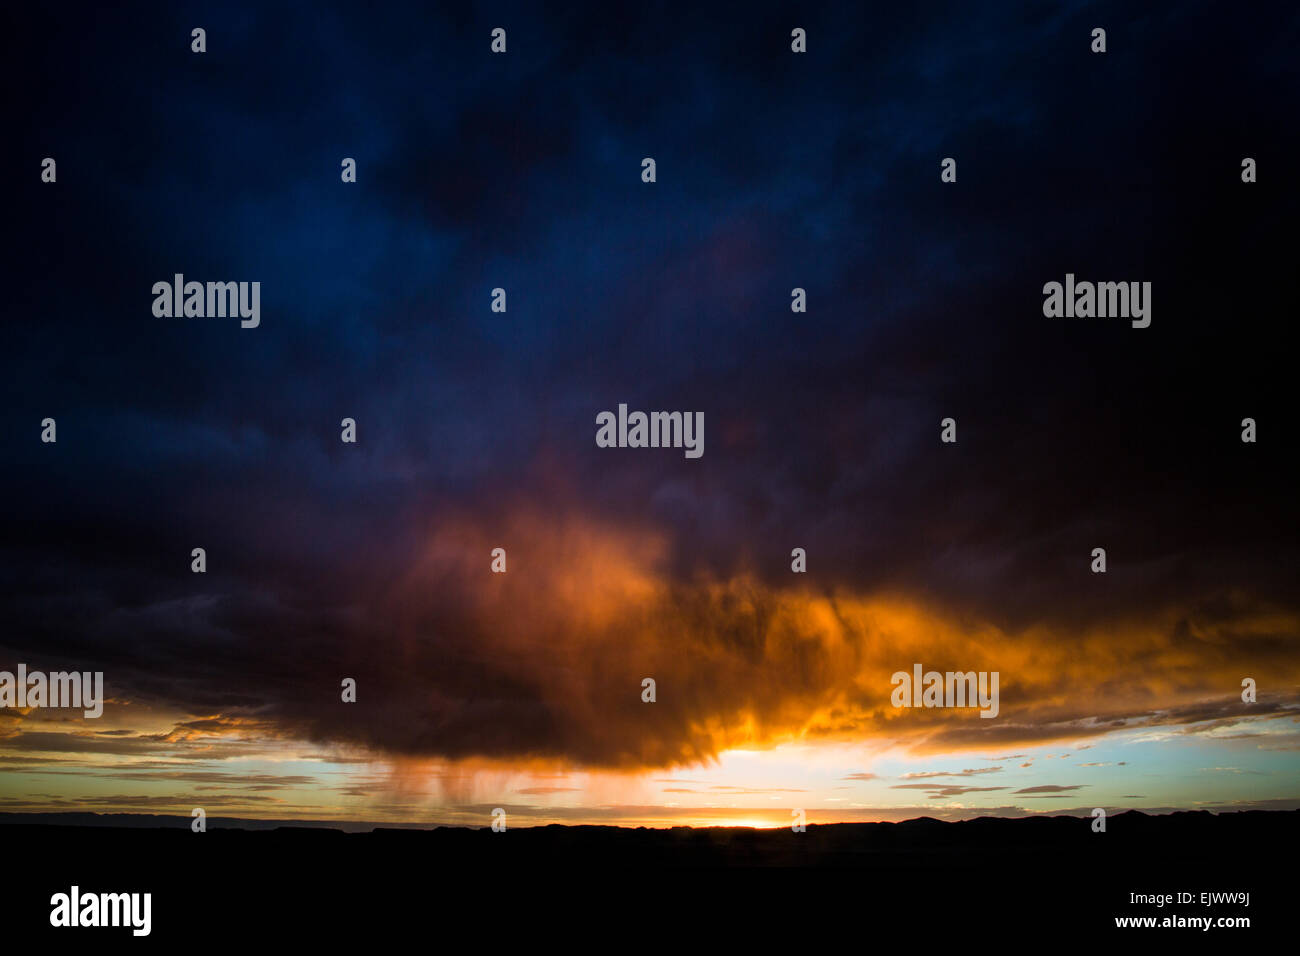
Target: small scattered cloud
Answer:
[[969, 772]]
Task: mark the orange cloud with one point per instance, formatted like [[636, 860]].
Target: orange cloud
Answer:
[[543, 665]]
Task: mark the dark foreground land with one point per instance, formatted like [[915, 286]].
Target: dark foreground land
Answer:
[[971, 886]]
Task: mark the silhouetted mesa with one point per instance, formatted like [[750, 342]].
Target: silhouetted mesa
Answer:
[[1050, 873]]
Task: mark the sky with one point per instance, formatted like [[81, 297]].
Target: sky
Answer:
[[476, 429]]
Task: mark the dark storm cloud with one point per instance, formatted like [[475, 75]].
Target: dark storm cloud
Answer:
[[822, 429]]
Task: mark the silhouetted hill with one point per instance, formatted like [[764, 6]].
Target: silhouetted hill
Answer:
[[1035, 874]]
